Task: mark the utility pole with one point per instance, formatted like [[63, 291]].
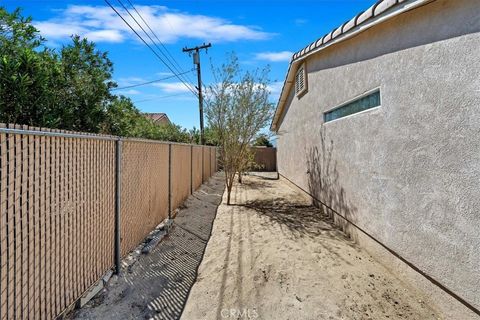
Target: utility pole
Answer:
[[196, 61]]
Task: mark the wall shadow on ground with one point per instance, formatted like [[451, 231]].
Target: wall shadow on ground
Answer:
[[263, 175], [331, 205], [296, 218], [325, 187], [256, 184], [302, 220]]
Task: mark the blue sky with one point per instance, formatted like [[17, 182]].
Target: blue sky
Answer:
[[259, 32]]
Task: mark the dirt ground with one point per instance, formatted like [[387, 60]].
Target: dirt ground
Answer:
[[273, 256], [156, 285], [270, 256]]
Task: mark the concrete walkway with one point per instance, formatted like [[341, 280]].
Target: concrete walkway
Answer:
[[273, 256], [156, 285]]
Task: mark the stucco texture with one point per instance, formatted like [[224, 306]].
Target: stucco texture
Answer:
[[408, 172]]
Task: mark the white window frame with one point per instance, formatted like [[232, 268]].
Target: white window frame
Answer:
[[302, 70]]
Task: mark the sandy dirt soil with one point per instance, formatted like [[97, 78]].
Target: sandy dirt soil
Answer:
[[156, 285], [273, 256]]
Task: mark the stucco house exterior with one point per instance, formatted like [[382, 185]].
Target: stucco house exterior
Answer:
[[379, 121]]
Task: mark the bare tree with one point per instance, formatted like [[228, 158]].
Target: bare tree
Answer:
[[237, 109], [247, 163]]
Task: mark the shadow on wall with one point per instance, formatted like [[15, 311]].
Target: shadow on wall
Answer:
[[324, 186]]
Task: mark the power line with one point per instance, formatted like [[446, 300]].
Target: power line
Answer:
[[161, 97], [172, 29], [196, 61], [154, 52], [161, 43], [153, 42], [149, 82]]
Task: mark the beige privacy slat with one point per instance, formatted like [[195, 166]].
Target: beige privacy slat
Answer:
[[213, 160], [144, 190], [24, 226], [205, 163], [62, 270], [11, 298], [197, 167], [180, 174], [47, 229], [45, 184], [55, 225], [3, 228], [36, 226]]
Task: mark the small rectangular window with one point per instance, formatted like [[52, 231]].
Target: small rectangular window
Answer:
[[300, 80], [366, 102]]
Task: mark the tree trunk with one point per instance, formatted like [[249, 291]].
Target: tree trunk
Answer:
[[229, 191], [240, 177]]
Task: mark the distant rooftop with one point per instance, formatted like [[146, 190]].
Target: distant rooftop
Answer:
[[158, 117]]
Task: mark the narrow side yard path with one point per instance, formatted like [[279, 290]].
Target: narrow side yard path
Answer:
[[156, 285], [274, 256]]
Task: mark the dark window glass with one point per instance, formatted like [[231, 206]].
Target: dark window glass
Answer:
[[369, 101]]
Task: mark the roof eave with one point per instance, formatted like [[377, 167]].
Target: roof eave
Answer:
[[379, 12]]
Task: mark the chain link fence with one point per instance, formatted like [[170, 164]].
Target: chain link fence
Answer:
[[72, 204]]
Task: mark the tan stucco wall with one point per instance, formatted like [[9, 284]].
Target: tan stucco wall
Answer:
[[408, 173]]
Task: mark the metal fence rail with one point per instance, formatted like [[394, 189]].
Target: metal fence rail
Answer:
[[61, 209]]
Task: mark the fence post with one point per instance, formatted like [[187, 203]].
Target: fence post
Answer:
[[191, 169], [169, 181], [118, 198]]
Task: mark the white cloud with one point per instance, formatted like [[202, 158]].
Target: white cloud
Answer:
[[101, 24], [300, 22], [104, 36], [54, 30], [152, 98], [128, 81], [275, 89], [129, 92], [164, 74], [171, 87], [274, 56]]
